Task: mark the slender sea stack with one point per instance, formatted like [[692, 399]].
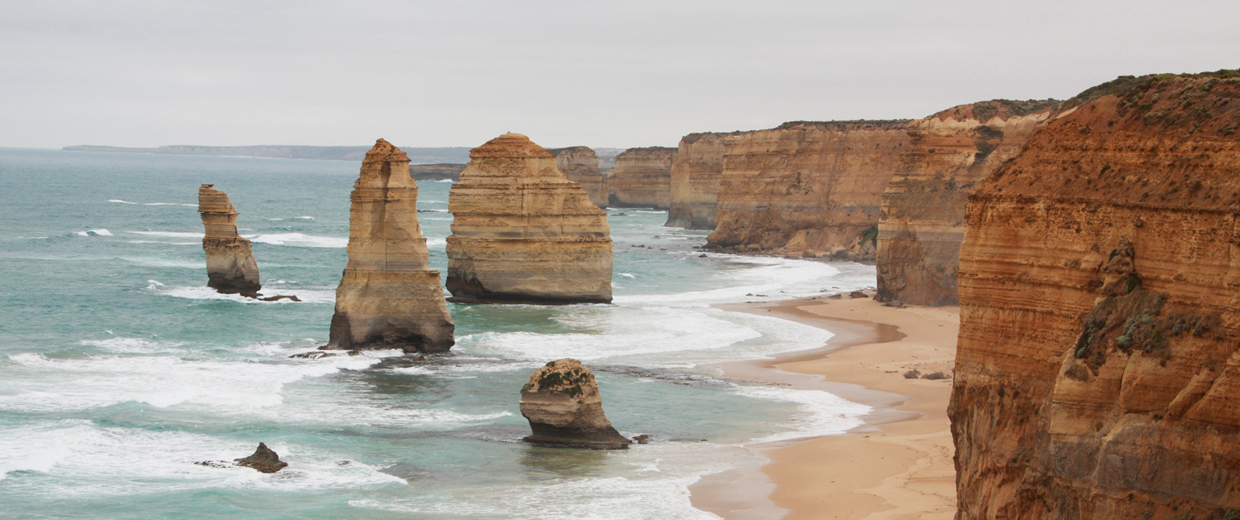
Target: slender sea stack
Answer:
[[230, 262], [388, 296], [564, 408], [523, 233]]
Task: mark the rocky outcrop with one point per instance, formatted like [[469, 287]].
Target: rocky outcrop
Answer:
[[523, 233], [436, 172], [231, 267], [1098, 366], [922, 220], [807, 187], [564, 408], [642, 178], [388, 296], [263, 460], [694, 182], [580, 165]]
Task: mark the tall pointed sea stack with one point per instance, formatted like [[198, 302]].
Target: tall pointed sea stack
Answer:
[[230, 262], [523, 233], [388, 296]]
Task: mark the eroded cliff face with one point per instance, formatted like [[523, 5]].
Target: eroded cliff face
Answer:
[[694, 182], [580, 165], [807, 187], [1098, 363], [921, 224], [231, 267], [523, 233], [642, 178], [388, 295]]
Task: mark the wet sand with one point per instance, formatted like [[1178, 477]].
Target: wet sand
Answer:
[[898, 464]]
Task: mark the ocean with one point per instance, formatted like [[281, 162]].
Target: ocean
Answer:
[[119, 368]]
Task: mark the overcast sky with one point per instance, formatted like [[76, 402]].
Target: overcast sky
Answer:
[[615, 74]]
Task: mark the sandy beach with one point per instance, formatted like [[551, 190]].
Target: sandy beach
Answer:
[[898, 465]]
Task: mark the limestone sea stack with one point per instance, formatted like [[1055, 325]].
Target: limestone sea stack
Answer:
[[1098, 365], [564, 408], [231, 267], [807, 187], [388, 296], [523, 233], [642, 178], [580, 165], [694, 181], [922, 220]]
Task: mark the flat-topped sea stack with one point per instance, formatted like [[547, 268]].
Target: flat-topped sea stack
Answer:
[[642, 178], [694, 182], [389, 298], [922, 220], [1098, 369], [231, 267], [809, 188], [523, 233], [580, 165], [563, 405]]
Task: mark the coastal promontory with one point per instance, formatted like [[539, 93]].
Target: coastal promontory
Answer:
[[1098, 362], [389, 297], [231, 268], [523, 233], [642, 178]]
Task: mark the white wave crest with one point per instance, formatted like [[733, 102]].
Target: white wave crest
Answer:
[[298, 240]]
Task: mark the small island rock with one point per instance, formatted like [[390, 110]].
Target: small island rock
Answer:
[[564, 408], [263, 460]]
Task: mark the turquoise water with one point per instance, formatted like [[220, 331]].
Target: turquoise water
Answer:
[[119, 369]]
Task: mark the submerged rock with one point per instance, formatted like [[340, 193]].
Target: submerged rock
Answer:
[[231, 268], [263, 460], [523, 233], [564, 408], [388, 297]]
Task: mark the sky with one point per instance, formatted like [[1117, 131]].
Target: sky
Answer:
[[604, 74]]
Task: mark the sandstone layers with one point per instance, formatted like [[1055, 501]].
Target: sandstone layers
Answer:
[[231, 267], [523, 233], [1098, 365], [388, 296], [922, 221], [807, 187], [564, 408], [642, 178], [694, 181], [580, 165]]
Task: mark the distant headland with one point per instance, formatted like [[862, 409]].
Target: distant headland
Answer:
[[452, 154]]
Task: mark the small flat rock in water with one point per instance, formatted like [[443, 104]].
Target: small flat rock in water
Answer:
[[263, 460]]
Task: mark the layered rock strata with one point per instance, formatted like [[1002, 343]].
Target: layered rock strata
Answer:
[[231, 267], [523, 233], [807, 187], [580, 165], [1098, 363], [694, 181], [921, 223], [388, 296], [642, 178], [563, 405]]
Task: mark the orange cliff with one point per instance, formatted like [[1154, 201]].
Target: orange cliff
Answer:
[[807, 187], [642, 178], [580, 165], [694, 181], [1098, 363], [922, 221]]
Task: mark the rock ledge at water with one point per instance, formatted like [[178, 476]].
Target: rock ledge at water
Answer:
[[564, 408], [263, 460]]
